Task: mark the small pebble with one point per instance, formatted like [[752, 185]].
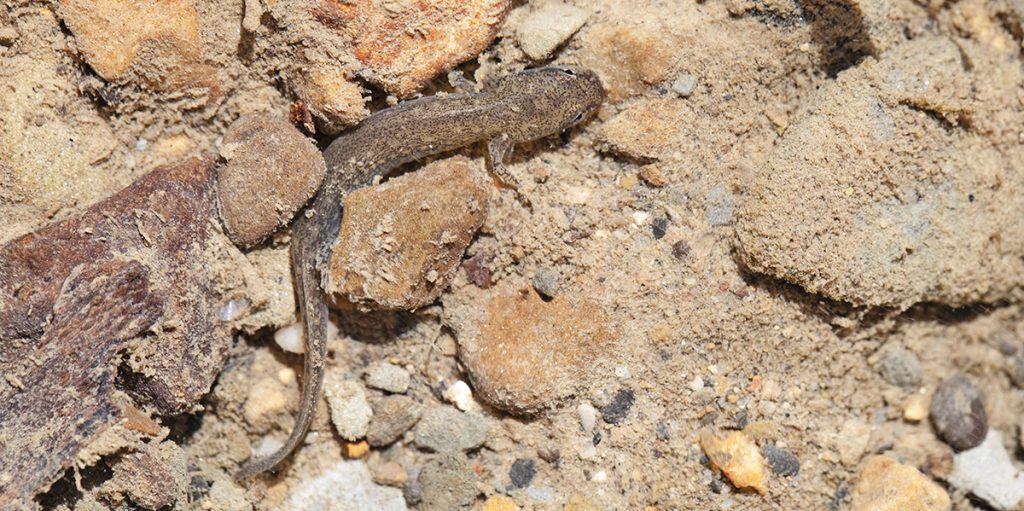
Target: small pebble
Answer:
[[900, 367], [446, 484], [392, 417], [781, 461], [653, 175], [522, 472], [738, 457], [887, 485], [547, 281], [445, 429], [684, 85], [659, 226], [389, 377], [390, 474], [588, 416], [958, 413], [500, 503], [231, 310], [539, 494], [600, 476], [617, 411], [350, 412], [696, 383], [915, 409], [355, 450], [290, 338], [460, 395], [988, 472], [1015, 369]]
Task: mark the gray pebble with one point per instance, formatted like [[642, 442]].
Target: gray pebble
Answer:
[[900, 367], [684, 85], [392, 417], [547, 281], [958, 413], [781, 461], [388, 377], [1015, 368], [445, 429], [522, 472], [445, 483]]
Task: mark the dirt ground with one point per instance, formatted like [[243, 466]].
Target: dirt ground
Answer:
[[791, 219]]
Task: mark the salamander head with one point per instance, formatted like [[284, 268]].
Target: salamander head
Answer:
[[553, 98]]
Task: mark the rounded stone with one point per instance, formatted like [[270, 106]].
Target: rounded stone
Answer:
[[958, 413]]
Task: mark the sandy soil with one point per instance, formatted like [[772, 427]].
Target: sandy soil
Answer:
[[792, 219]]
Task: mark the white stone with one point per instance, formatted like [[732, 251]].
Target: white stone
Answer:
[[588, 416], [696, 383], [345, 486], [547, 27], [290, 338], [460, 395], [987, 472], [350, 412], [600, 476]]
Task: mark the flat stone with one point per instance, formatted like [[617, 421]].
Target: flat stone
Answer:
[[445, 429], [392, 417], [389, 377], [884, 484], [350, 412], [545, 28]]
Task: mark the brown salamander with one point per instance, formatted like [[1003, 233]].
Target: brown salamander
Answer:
[[520, 107]]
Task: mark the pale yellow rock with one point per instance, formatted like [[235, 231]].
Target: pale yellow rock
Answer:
[[500, 503], [331, 96], [267, 397], [738, 457], [885, 484], [915, 409], [851, 441], [547, 27]]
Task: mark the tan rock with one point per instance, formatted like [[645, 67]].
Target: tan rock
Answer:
[[650, 129], [272, 170], [627, 57], [852, 441], [523, 354], [267, 398], [738, 457], [885, 484], [402, 44], [547, 27], [401, 242], [154, 478], [156, 43], [330, 95]]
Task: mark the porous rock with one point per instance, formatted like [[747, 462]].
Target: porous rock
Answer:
[[445, 429], [524, 354], [350, 412], [401, 242], [447, 483], [392, 417], [271, 171], [738, 457]]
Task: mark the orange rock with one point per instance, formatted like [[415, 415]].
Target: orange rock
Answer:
[[401, 242], [329, 94], [405, 43], [355, 450], [523, 353], [738, 457], [887, 485], [500, 503], [154, 42]]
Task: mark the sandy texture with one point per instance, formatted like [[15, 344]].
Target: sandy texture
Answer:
[[790, 219]]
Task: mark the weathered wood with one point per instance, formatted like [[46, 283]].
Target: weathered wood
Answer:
[[123, 285]]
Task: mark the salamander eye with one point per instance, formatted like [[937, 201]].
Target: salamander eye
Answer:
[[568, 71], [579, 117]]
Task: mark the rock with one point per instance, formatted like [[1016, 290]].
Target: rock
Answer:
[[547, 281], [392, 417], [588, 416], [522, 472], [226, 495], [153, 478], [344, 486], [958, 413], [654, 176], [329, 94], [389, 377], [900, 367], [402, 44], [390, 474], [649, 129], [546, 27], [988, 473], [684, 85], [738, 457], [915, 409], [876, 227], [447, 483], [156, 44], [445, 429], [524, 354], [290, 338], [1015, 369], [272, 170], [350, 412], [266, 398], [852, 442], [355, 450], [627, 56], [781, 461], [460, 395], [401, 242], [500, 503], [887, 485], [617, 410]]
